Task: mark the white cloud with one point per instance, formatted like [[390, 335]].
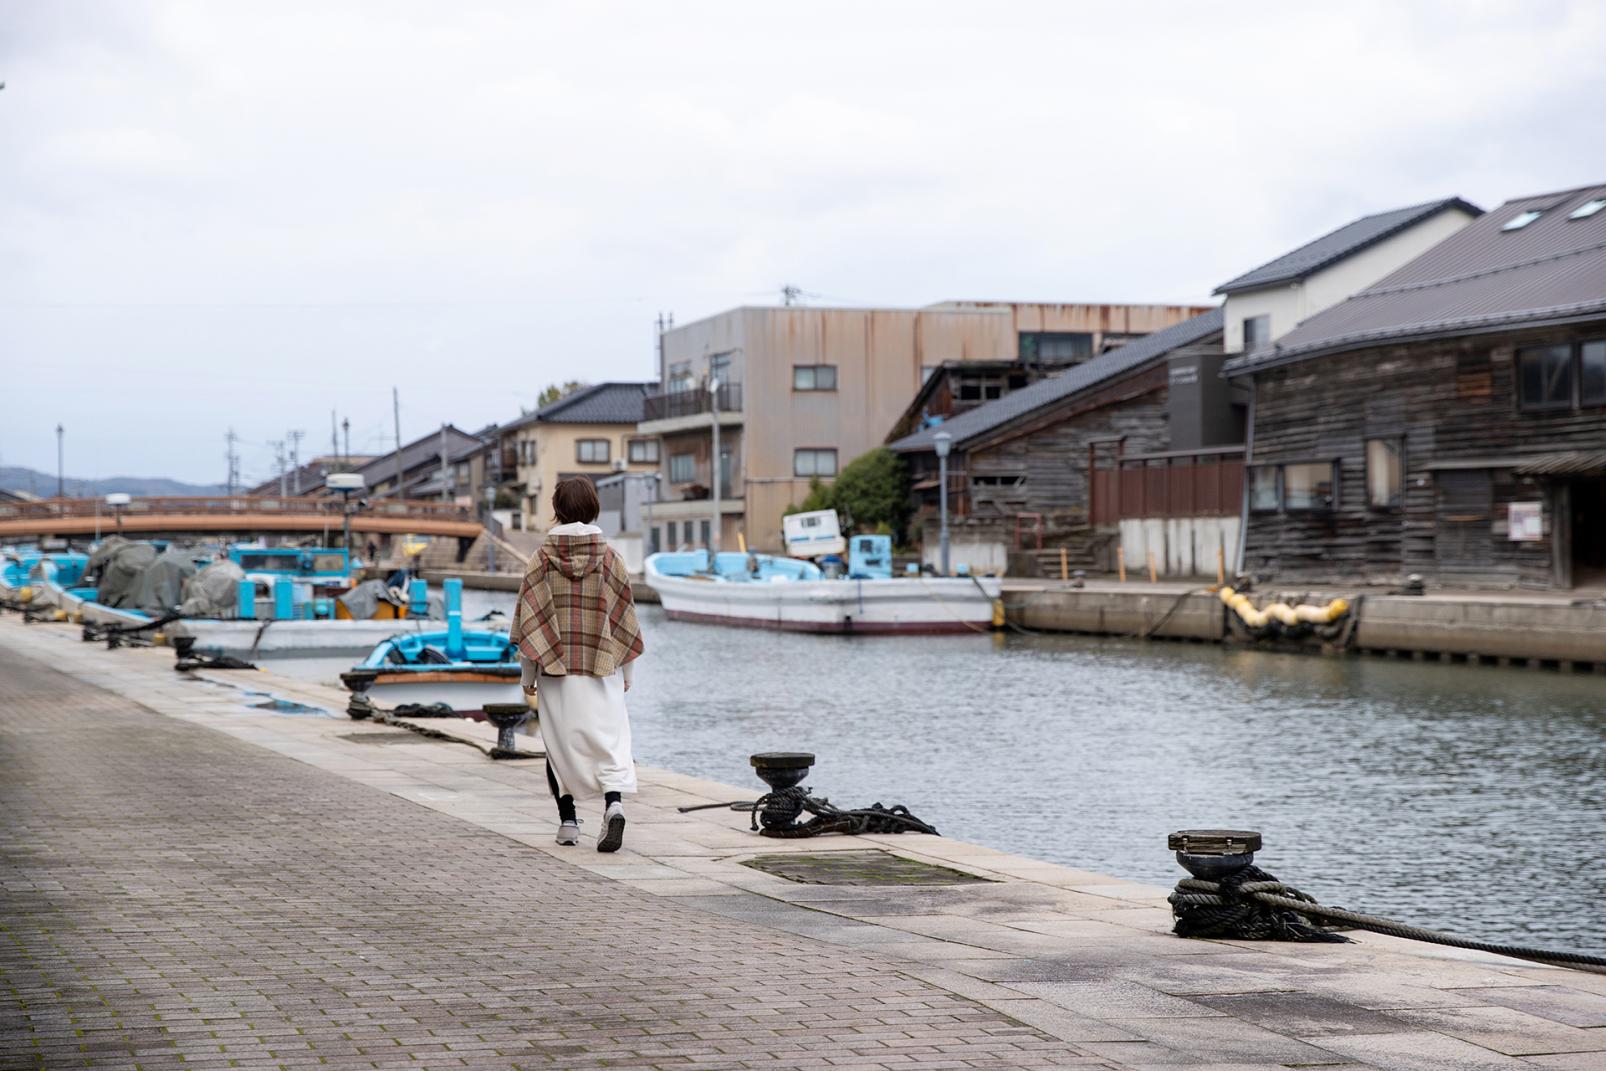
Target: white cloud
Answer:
[[249, 214]]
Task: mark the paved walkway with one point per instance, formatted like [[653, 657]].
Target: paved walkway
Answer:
[[175, 898], [190, 881]]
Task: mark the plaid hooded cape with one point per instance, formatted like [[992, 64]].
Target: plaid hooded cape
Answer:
[[576, 614]]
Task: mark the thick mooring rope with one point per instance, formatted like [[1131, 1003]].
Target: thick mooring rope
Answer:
[[1253, 904]]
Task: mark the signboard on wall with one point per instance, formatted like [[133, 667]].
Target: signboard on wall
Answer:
[[1525, 522]]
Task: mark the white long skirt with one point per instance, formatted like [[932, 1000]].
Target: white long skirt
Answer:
[[587, 734]]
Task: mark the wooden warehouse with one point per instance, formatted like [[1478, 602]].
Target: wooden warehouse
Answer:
[[1448, 421]]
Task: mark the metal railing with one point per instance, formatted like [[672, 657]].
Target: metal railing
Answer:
[[680, 403], [229, 504]]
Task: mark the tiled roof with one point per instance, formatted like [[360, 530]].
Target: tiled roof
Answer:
[[1337, 245], [1481, 278], [983, 419], [599, 403]]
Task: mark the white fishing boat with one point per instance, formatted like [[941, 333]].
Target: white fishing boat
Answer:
[[766, 591]]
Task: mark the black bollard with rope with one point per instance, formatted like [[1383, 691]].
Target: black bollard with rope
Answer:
[[1229, 897]]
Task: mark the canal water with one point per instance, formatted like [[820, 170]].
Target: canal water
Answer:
[[1460, 797]]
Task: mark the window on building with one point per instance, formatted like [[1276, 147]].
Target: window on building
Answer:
[[670, 535], [1310, 486], [682, 468], [814, 377], [1588, 208], [1263, 496], [1257, 332], [719, 367], [1592, 373], [811, 461], [591, 451], [680, 376], [705, 533], [1545, 377], [1521, 220], [643, 451], [1055, 347], [1385, 473]]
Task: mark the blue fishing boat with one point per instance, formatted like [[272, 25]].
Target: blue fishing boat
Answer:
[[449, 670], [859, 596]]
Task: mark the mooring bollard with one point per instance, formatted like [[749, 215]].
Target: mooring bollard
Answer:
[[1212, 854], [506, 717], [782, 770]]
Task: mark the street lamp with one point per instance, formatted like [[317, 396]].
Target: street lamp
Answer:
[[713, 409], [490, 517], [943, 441], [118, 501], [346, 483]]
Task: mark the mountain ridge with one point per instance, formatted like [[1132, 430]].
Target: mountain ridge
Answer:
[[19, 478]]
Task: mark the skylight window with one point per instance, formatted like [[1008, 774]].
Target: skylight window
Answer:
[[1588, 208], [1521, 220]]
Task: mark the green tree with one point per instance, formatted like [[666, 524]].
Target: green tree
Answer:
[[870, 495], [557, 392]]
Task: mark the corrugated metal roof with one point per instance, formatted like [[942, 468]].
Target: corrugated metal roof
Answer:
[[1481, 278], [983, 419], [1344, 242]]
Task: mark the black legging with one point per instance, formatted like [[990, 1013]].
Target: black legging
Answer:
[[566, 803]]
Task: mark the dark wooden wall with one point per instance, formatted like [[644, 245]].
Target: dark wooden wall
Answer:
[[1448, 400]]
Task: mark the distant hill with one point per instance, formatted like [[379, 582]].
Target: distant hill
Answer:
[[14, 478]]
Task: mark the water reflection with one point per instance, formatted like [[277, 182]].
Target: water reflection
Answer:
[[1462, 797]]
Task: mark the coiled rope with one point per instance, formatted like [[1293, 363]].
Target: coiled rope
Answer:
[[1252, 904]]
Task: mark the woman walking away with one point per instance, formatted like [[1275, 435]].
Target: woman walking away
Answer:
[[577, 636]]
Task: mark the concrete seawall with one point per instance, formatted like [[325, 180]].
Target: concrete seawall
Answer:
[[1473, 627]]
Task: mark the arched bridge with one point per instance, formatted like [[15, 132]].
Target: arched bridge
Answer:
[[232, 514]]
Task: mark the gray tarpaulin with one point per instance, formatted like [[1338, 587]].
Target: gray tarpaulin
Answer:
[[362, 601], [161, 585], [119, 563], [214, 591]]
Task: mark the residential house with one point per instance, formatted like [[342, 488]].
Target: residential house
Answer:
[[1448, 420], [308, 478], [799, 392], [440, 465], [1026, 471], [591, 432]]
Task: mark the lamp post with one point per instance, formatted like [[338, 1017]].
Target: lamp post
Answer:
[[490, 543], [943, 442], [713, 409], [118, 501], [61, 481], [346, 483]]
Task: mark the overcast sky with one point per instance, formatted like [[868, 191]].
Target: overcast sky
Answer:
[[220, 214]]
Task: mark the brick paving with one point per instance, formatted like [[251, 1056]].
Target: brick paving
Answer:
[[171, 897]]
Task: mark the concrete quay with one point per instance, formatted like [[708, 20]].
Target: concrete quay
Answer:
[[190, 881], [1560, 630]]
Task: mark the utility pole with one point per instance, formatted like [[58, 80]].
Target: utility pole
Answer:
[[446, 494], [61, 479], [278, 459], [395, 407], [295, 460], [790, 295], [714, 532], [233, 458], [345, 426], [334, 437]]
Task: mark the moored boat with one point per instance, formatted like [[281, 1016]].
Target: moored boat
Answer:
[[459, 669], [766, 591]]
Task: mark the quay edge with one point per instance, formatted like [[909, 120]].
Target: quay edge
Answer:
[[1466, 626]]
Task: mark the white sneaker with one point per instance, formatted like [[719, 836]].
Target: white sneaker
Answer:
[[569, 833], [613, 828]]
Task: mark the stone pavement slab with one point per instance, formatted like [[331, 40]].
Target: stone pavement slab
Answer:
[[1069, 958]]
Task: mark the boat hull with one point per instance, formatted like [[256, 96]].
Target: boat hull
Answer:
[[292, 639], [923, 606]]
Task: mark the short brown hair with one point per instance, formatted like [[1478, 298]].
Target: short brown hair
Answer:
[[575, 500]]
